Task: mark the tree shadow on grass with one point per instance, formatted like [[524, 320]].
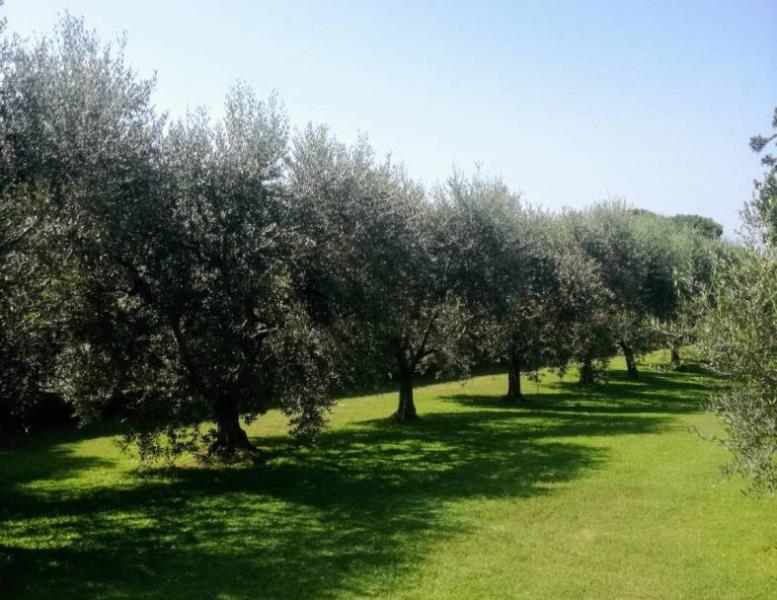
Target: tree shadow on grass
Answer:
[[53, 463], [660, 393], [353, 514], [583, 403]]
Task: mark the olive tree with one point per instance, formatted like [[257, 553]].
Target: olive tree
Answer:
[[207, 292], [735, 331], [507, 263], [603, 233], [697, 257], [736, 334], [638, 254], [585, 315], [174, 281], [386, 261]]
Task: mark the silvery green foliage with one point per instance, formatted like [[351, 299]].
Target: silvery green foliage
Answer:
[[80, 145], [383, 265], [584, 313], [506, 265], [345, 204], [71, 117], [596, 256], [638, 255], [735, 325], [201, 269], [697, 256], [303, 372], [760, 213], [736, 334], [174, 280], [226, 290]]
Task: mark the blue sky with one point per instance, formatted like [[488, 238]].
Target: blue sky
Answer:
[[569, 102]]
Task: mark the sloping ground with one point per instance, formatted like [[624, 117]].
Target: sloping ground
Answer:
[[600, 494]]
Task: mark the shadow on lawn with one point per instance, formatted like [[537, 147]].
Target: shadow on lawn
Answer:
[[661, 393], [355, 513]]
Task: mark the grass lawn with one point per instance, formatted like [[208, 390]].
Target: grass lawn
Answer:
[[587, 494]]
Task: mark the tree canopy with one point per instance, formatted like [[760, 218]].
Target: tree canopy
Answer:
[[174, 272]]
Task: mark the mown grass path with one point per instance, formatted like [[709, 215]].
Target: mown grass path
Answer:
[[584, 494]]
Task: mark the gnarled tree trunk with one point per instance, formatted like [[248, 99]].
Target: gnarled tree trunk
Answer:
[[631, 363], [587, 371], [406, 410], [514, 380], [230, 436]]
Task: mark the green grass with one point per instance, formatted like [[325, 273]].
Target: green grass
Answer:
[[587, 494]]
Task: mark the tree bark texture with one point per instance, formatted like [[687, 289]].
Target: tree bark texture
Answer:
[[514, 394], [230, 436], [587, 372], [631, 363], [406, 410]]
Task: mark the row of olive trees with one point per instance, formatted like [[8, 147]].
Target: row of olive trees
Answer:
[[173, 272]]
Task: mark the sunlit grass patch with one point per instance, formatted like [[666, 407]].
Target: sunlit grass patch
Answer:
[[602, 493]]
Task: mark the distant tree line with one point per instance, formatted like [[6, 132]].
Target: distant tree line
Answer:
[[173, 272]]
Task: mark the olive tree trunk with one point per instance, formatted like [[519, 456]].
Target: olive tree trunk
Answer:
[[631, 363], [230, 436], [406, 410], [587, 372], [514, 394]]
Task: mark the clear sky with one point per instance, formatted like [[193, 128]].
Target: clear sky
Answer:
[[570, 101]]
